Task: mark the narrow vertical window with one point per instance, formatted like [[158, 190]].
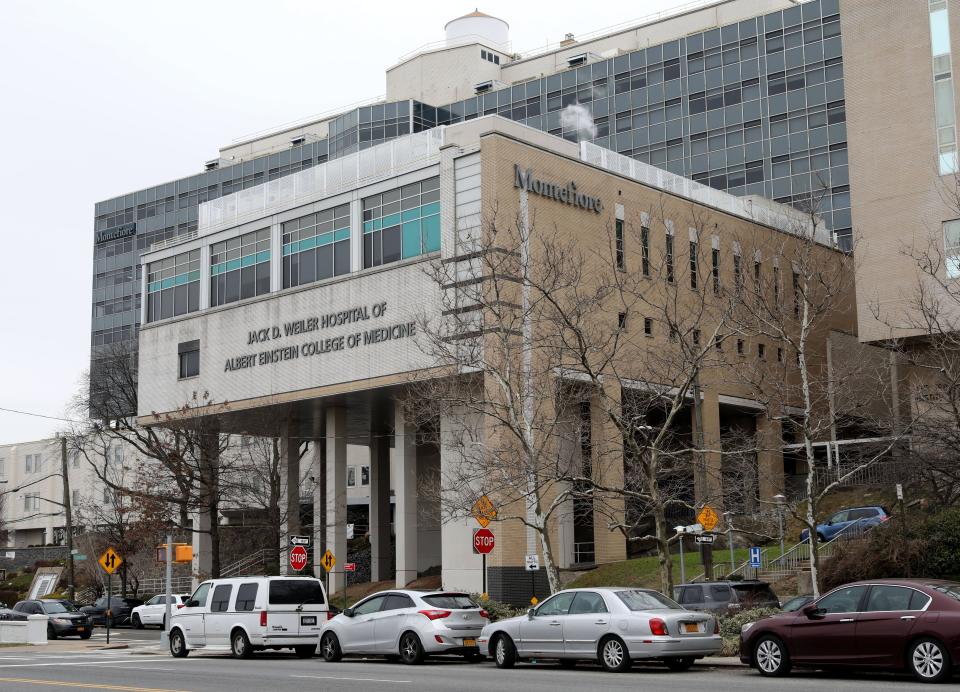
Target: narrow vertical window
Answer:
[[756, 277], [645, 250], [776, 285], [737, 273], [951, 247], [716, 270], [943, 96], [622, 320], [796, 294], [621, 264], [693, 264], [740, 346], [648, 326], [669, 257]]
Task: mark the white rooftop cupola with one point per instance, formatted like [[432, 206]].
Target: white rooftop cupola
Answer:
[[478, 25]]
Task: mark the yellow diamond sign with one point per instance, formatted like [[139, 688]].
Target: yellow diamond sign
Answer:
[[483, 511], [708, 518], [110, 561], [328, 561]]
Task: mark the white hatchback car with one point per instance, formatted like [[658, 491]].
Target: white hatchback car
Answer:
[[153, 611], [613, 625], [246, 614], [406, 625]]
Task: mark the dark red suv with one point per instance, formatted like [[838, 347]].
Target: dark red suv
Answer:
[[896, 624]]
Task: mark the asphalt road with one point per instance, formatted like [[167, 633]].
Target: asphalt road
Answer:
[[38, 669]]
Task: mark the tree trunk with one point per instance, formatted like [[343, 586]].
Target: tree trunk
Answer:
[[664, 558], [811, 518], [549, 565]]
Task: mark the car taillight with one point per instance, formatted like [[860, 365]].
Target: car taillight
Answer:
[[434, 614], [263, 618], [330, 615], [484, 614], [885, 517], [658, 627], [179, 606], [716, 626]]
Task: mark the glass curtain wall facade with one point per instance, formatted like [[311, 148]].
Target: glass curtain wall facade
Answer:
[[240, 267], [316, 246]]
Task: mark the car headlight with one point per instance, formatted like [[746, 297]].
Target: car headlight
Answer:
[[746, 626], [61, 621]]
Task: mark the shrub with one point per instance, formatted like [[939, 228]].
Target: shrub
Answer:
[[496, 609], [730, 626], [882, 554], [941, 559]]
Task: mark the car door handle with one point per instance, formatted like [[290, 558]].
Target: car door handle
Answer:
[[847, 620], [554, 624], [600, 622], [908, 617]]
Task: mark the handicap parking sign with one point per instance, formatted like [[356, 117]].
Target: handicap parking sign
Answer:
[[755, 556]]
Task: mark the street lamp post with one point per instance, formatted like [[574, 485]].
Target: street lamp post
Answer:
[[729, 516], [780, 499], [683, 569]]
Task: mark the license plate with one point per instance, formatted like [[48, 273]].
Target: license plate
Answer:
[[469, 642], [81, 629], [691, 627], [312, 620]]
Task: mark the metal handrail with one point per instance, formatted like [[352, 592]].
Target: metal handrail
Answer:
[[245, 563]]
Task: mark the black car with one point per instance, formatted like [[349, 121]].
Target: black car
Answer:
[[119, 607], [63, 618]]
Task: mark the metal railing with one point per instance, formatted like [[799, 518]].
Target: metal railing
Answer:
[[247, 563]]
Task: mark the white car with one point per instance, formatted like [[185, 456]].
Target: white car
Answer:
[[247, 614], [407, 625], [613, 625], [153, 611]]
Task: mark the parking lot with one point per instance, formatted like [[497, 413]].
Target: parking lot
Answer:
[[143, 667]]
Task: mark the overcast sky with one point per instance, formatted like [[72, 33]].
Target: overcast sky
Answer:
[[103, 97]]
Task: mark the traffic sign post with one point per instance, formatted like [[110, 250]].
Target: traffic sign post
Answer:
[[708, 519], [110, 561], [483, 543], [755, 557], [328, 562], [532, 565], [349, 566], [705, 538], [483, 511]]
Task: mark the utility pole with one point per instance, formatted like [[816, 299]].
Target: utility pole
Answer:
[[68, 510]]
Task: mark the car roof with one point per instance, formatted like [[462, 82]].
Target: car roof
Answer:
[[729, 582]]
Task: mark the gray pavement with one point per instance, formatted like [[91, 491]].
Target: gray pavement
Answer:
[[144, 668]]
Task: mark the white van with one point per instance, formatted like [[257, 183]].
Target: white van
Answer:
[[246, 614]]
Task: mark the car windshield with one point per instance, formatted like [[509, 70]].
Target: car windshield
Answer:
[[951, 590], [58, 607], [450, 601], [295, 591], [636, 599]]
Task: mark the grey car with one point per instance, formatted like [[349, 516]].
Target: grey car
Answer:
[[612, 625], [726, 596]]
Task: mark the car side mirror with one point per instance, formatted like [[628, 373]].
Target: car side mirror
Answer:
[[190, 603], [530, 613], [348, 612], [813, 612]]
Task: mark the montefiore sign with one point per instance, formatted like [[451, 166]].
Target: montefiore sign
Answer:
[[568, 194]]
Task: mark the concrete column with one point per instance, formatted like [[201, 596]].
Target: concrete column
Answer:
[[770, 457], [290, 471], [202, 553], [709, 482], [405, 519], [606, 448], [336, 542], [460, 436], [381, 555], [318, 469]]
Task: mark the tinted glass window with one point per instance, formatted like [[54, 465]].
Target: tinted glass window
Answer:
[[221, 598], [640, 599], [748, 593], [200, 595], [452, 601], [369, 606], [295, 591], [692, 594], [842, 601], [720, 593], [397, 601], [838, 517], [588, 602], [884, 598], [247, 596], [58, 607], [154, 600], [918, 601], [558, 605], [951, 590]]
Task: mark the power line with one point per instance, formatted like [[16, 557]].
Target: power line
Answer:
[[40, 415]]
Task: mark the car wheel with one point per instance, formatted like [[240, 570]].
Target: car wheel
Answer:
[[411, 650], [614, 656], [86, 635], [51, 633], [178, 645], [504, 652], [568, 663], [330, 648], [240, 645], [771, 657], [929, 660], [305, 651], [137, 622], [679, 664], [821, 538]]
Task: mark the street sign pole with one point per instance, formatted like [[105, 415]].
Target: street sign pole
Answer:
[[683, 569], [108, 617], [484, 573], [165, 635]]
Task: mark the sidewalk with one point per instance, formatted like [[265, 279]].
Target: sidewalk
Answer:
[[720, 661]]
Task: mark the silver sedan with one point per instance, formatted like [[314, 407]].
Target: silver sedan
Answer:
[[614, 626]]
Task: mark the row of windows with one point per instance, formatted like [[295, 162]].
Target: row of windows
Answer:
[[240, 267], [401, 223], [173, 286]]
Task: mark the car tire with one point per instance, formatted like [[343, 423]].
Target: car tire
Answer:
[[178, 645], [330, 648], [929, 660], [411, 649], [86, 635], [504, 651], [679, 664], [305, 651], [771, 657], [240, 644], [568, 663], [137, 622], [51, 633], [821, 538], [613, 655]]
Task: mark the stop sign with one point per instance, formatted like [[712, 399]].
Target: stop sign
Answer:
[[298, 557], [483, 541]]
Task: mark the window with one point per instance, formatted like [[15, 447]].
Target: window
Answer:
[[75, 498], [31, 502], [3, 468], [648, 326], [295, 591], [173, 286], [621, 320], [845, 600], [943, 91], [693, 264], [364, 475], [797, 295], [396, 601], [106, 496], [240, 267], [450, 601], [761, 351], [639, 599], [715, 256], [951, 247], [188, 359], [720, 592], [621, 265], [668, 256], [691, 594], [316, 246], [372, 605], [779, 355], [645, 250], [28, 463], [737, 273], [76, 460], [696, 337], [756, 277], [718, 342], [776, 285], [740, 346], [888, 598], [200, 595], [587, 602], [247, 596], [351, 476], [401, 223], [221, 598], [558, 605]]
